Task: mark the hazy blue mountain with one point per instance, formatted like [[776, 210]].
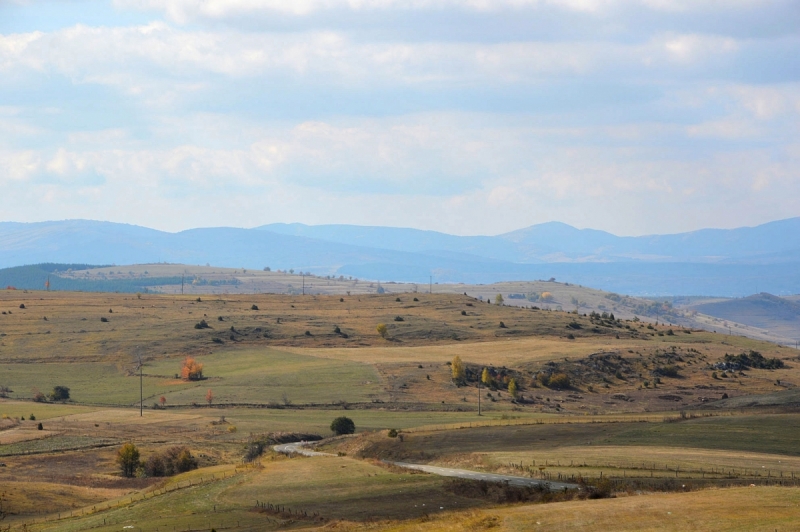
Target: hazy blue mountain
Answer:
[[558, 242], [709, 262], [402, 239]]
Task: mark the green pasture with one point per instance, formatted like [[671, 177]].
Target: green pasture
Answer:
[[241, 376], [260, 420], [41, 411], [775, 434], [333, 487]]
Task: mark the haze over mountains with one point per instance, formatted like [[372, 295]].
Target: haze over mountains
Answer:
[[718, 262]]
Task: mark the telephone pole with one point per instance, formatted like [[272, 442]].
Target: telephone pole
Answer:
[[479, 394], [430, 285], [141, 382]]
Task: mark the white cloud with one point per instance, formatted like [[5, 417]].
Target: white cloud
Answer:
[[184, 10]]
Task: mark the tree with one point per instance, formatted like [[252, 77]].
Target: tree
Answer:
[[162, 401], [382, 330], [512, 388], [191, 370], [60, 393], [546, 296], [486, 377], [498, 299], [209, 397], [128, 459], [343, 425], [457, 368]]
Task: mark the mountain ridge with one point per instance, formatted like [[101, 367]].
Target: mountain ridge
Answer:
[[725, 262]]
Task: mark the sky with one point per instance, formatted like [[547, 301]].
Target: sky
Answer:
[[462, 116]]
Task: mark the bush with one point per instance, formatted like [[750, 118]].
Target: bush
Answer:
[[667, 371], [59, 393], [22, 305], [343, 425], [254, 307], [502, 325], [398, 318], [415, 299], [559, 381], [174, 460], [392, 433], [32, 417], [202, 325], [382, 330], [40, 426], [104, 319]]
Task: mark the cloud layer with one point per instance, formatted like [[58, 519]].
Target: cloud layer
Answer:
[[469, 117]]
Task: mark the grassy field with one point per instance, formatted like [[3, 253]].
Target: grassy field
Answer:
[[282, 368]]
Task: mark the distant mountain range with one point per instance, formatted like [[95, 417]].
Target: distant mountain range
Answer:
[[719, 262]]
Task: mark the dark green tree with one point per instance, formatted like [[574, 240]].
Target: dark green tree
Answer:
[[343, 425]]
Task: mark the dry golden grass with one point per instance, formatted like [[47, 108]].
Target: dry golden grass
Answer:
[[43, 498], [736, 509]]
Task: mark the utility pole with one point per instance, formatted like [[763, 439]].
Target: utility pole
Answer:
[[430, 286], [141, 382], [304, 283], [479, 394], [182, 276]]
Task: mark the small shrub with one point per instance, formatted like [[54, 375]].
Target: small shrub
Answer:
[[382, 330], [232, 429], [22, 305], [667, 371], [39, 427], [415, 299], [104, 319], [59, 393], [559, 381], [463, 312], [392, 433], [202, 325], [502, 325], [32, 417], [254, 307], [397, 299], [217, 340], [308, 333], [399, 318], [570, 336]]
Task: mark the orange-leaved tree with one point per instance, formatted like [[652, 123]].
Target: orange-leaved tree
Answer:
[[191, 370], [209, 396]]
